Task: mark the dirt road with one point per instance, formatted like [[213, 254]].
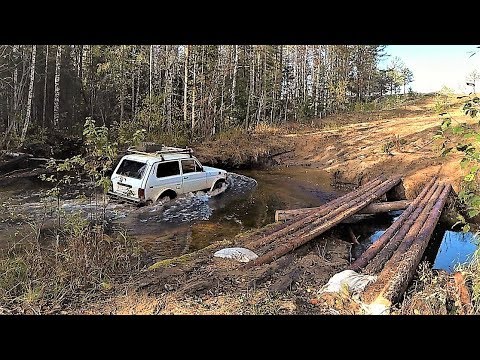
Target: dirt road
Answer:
[[395, 141]]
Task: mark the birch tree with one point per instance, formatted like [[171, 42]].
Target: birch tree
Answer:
[[45, 81], [30, 95], [56, 101]]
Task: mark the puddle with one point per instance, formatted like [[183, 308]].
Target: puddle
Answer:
[[455, 248]]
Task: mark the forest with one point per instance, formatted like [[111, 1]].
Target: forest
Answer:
[[182, 93]]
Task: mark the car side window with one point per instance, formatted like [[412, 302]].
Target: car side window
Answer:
[[168, 169], [189, 166]]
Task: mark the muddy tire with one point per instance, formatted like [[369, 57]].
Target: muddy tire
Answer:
[[166, 196], [218, 184], [164, 199]]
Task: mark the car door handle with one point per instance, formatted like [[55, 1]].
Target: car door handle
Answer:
[[185, 177]]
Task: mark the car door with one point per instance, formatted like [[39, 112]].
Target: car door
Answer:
[[193, 176], [165, 175]]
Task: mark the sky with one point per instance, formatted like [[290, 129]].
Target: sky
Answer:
[[434, 66]]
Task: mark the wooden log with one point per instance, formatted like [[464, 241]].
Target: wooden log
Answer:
[[262, 232], [311, 220], [303, 236], [378, 262], [417, 226], [301, 221], [300, 237], [267, 272], [394, 282], [314, 223], [284, 282], [10, 164], [374, 208], [317, 222], [261, 235], [378, 245]]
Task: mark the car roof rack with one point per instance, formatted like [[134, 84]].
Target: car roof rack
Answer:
[[165, 150]]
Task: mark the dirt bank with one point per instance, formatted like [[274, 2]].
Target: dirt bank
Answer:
[[352, 146]]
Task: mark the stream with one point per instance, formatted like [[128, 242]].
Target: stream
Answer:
[[193, 221]]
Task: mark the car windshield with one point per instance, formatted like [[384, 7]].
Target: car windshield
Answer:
[[131, 168]]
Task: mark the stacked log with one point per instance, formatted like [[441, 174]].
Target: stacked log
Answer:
[[272, 232], [408, 230], [399, 270], [378, 245], [303, 228]]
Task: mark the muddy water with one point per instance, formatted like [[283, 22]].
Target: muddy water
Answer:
[[185, 224], [194, 221]]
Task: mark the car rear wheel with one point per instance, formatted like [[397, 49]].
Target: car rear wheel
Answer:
[[218, 184], [164, 199]]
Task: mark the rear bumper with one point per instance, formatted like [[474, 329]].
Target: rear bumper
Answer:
[[118, 196]]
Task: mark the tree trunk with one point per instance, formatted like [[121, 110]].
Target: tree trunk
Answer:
[[251, 87], [15, 79], [224, 75], [16, 93], [185, 87], [30, 96], [133, 93], [274, 87], [194, 90], [137, 96], [56, 100], [375, 208], [122, 82], [169, 85], [150, 89], [45, 88], [234, 78], [202, 86]]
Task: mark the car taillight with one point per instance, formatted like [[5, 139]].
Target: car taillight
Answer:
[[141, 193]]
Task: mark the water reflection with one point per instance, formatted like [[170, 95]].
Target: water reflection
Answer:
[[455, 248]]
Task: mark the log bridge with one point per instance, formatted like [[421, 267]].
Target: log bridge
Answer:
[[394, 257]]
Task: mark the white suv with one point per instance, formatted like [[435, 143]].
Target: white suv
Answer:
[[151, 177]]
